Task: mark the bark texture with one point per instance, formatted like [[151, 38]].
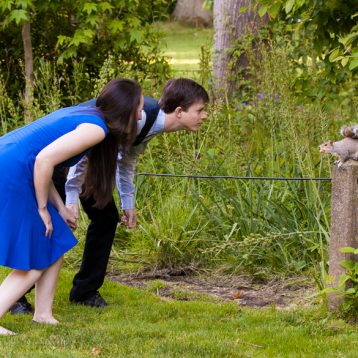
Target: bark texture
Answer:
[[29, 70], [230, 25], [192, 11]]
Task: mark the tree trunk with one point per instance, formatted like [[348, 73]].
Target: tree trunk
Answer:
[[230, 24], [192, 11], [29, 70]]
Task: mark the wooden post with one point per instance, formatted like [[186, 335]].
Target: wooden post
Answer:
[[344, 228]]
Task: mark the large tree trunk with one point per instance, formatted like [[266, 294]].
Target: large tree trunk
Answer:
[[29, 70], [192, 11], [230, 24]]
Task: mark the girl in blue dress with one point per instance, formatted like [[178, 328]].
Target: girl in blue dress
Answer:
[[35, 225]]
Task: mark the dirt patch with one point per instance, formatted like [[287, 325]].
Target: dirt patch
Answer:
[[246, 291]]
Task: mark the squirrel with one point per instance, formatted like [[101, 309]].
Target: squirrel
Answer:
[[346, 148]]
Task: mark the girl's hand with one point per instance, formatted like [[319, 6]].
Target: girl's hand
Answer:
[[46, 219]]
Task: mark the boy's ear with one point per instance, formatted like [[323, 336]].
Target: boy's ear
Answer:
[[178, 111]]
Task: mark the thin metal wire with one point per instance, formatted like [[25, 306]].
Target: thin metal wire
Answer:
[[194, 176]]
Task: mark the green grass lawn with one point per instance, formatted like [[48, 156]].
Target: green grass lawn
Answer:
[[140, 324], [183, 46]]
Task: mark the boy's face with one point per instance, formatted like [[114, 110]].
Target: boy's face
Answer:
[[192, 119]]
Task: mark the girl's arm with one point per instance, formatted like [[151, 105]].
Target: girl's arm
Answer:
[[67, 146]]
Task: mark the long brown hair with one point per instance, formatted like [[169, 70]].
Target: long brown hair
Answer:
[[118, 103]]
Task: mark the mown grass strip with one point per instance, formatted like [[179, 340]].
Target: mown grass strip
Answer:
[[141, 324]]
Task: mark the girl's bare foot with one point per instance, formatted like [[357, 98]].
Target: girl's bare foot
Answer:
[[5, 332], [46, 320]]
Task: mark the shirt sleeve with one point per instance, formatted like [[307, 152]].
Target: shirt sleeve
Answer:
[[126, 166], [127, 162], [75, 179]]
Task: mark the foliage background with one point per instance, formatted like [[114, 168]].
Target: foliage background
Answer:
[[296, 94]]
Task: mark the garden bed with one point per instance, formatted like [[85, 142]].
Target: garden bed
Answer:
[[282, 293]]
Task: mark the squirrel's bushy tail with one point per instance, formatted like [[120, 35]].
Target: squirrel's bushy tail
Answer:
[[350, 132]]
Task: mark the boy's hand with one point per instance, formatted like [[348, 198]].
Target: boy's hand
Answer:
[[129, 218]]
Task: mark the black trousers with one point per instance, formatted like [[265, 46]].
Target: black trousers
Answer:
[[98, 245], [99, 240], [59, 178]]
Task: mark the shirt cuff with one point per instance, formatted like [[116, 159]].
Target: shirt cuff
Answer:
[[127, 202], [72, 197]]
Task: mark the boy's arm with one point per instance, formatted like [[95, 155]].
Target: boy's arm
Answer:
[[73, 186], [126, 166]]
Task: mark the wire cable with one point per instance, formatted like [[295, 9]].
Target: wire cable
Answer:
[[196, 176]]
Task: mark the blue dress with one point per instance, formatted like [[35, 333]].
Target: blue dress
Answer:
[[23, 244]]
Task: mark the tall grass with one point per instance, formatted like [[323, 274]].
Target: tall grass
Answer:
[[242, 226], [10, 115]]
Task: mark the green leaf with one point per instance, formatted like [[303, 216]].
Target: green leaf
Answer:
[[274, 10], [116, 25], [133, 21], [24, 4], [347, 305], [62, 40], [92, 19], [262, 10], [348, 264], [88, 33], [70, 52], [6, 5], [348, 250], [342, 280], [334, 54], [351, 291], [136, 35], [19, 16], [347, 40], [243, 9], [299, 3], [328, 290], [353, 65], [89, 7], [339, 58], [289, 6], [344, 61], [106, 6], [81, 36]]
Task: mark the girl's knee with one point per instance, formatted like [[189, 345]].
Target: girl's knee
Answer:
[[33, 275]]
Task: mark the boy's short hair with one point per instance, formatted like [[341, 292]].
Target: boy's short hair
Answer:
[[181, 92]]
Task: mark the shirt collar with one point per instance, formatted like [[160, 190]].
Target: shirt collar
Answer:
[[158, 125]]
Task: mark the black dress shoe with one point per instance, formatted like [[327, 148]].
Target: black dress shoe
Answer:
[[22, 306], [96, 300]]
